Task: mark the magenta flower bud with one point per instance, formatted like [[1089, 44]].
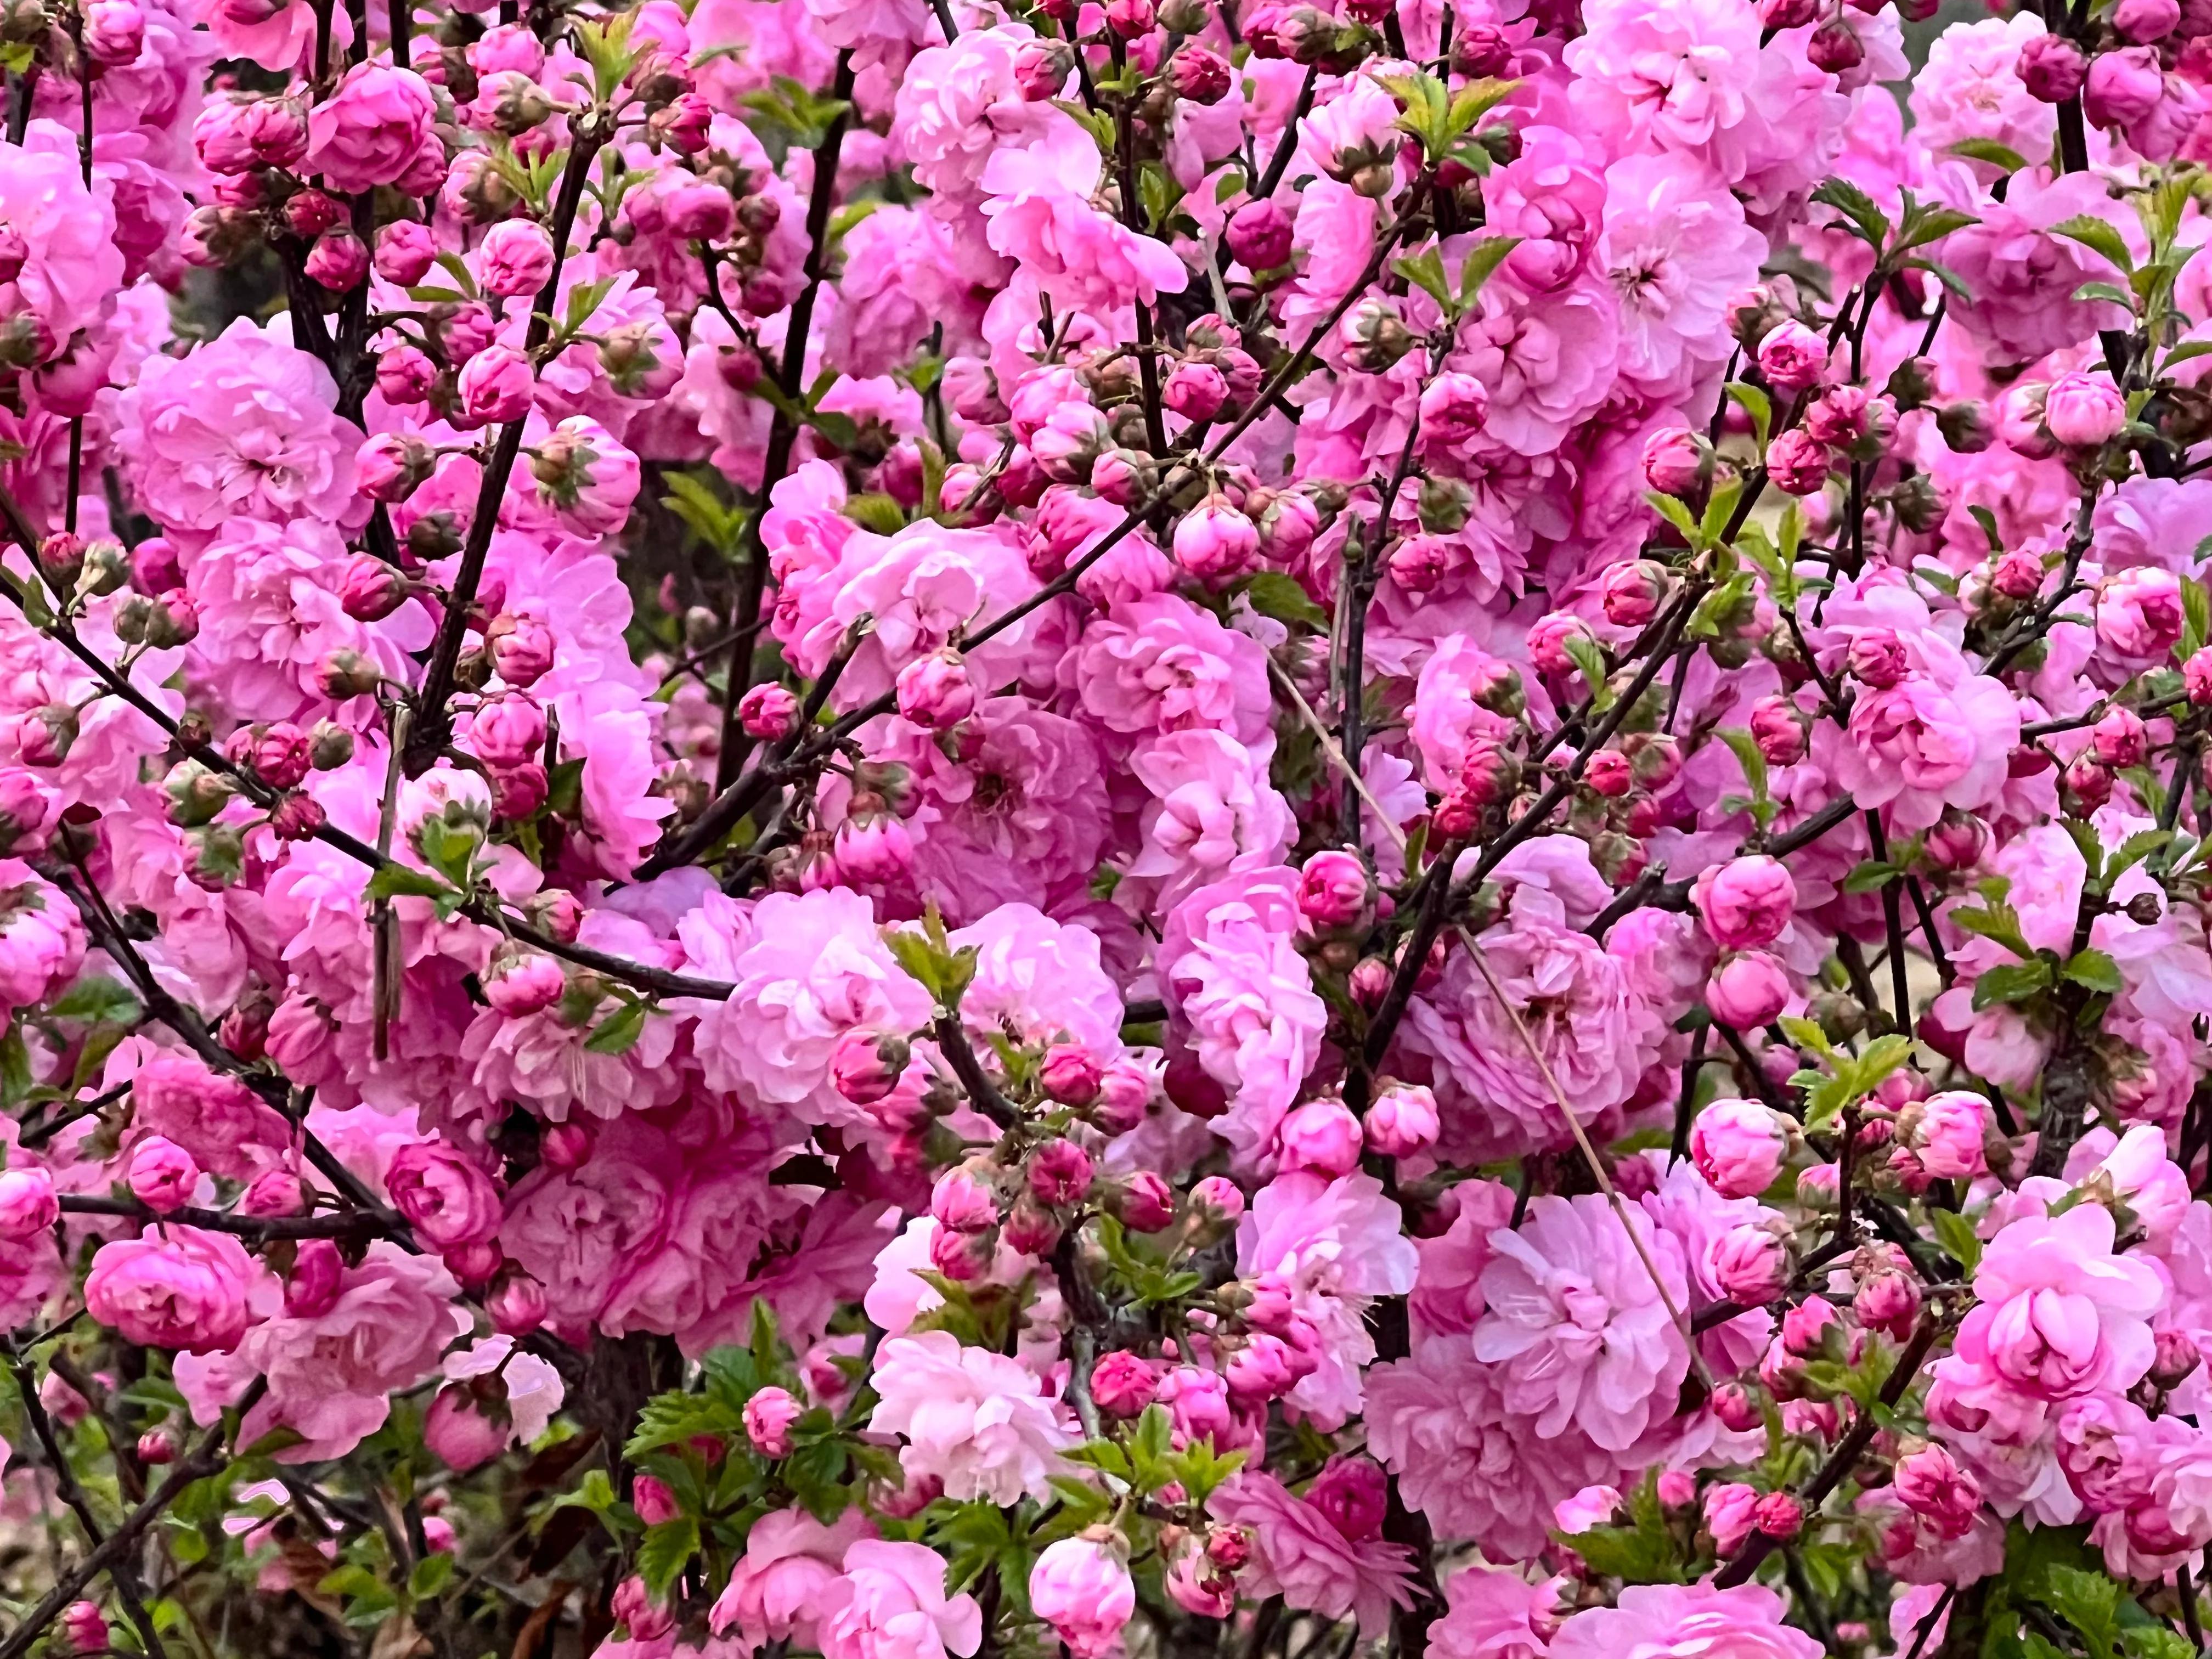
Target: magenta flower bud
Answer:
[[273, 1193], [115, 32], [768, 713], [1748, 990], [83, 1629], [2176, 1358], [1060, 1173], [2123, 88], [313, 1288], [1805, 1328], [1737, 1407], [1797, 463], [1793, 357], [1070, 1074], [1888, 1300], [1402, 1121], [521, 648], [1195, 391], [1336, 891], [29, 1203], [2197, 677], [370, 590], [508, 729], [1131, 18], [1549, 640], [1321, 1135], [1288, 526], [1779, 1515], [405, 375], [1146, 1202], [338, 261], [519, 982], [2139, 613], [392, 465], [564, 1146], [517, 1305], [866, 1066], [1956, 841], [1746, 902], [1260, 236], [1040, 71], [1264, 1369], [935, 691], [1353, 1492], [769, 1417], [161, 1174], [963, 1202], [2119, 738], [2139, 22], [2083, 411], [2018, 574], [1202, 77], [1419, 564], [496, 385], [1947, 1131], [651, 1497], [1835, 46], [157, 1447], [309, 213], [515, 258], [963, 1258], [1123, 1384], [2051, 67], [1454, 407], [44, 735], [474, 1264], [1731, 1510], [460, 1432], [405, 251], [1631, 593], [1750, 1263], [1676, 461], [1218, 1199], [1738, 1146], [1215, 543], [632, 1605], [1778, 728], [1787, 14]]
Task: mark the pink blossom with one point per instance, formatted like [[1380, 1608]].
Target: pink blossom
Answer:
[[1668, 1618], [1082, 1589], [782, 1585], [975, 1419], [2060, 1316], [890, 1604], [370, 130], [1301, 1556], [173, 1287]]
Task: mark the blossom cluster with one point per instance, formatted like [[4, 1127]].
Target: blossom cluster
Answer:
[[889, 828]]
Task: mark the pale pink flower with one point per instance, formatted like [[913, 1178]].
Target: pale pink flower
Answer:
[[2060, 1315], [1671, 1621], [890, 1604], [977, 1421], [780, 1586]]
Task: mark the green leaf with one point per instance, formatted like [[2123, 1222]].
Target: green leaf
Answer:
[[95, 999], [1757, 405], [1871, 876], [1276, 595], [2011, 983], [1583, 651], [1988, 150], [397, 880], [1425, 270], [872, 510], [2096, 235], [1672, 509], [1870, 223], [2119, 296], [617, 1034], [666, 1549], [1932, 225], [2093, 970], [432, 1574], [1747, 755], [1956, 1235], [1480, 264]]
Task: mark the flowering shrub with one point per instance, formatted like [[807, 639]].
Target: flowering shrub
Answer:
[[900, 828]]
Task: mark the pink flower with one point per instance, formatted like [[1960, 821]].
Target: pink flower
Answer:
[[960, 103], [2139, 613], [1971, 88], [1082, 1589], [811, 967], [444, 1194], [41, 936], [1493, 1614], [515, 258], [227, 1127], [1593, 1028], [1667, 1621], [1229, 965], [66, 235], [173, 1287], [1214, 813], [1164, 664], [2022, 278], [1301, 1556], [1577, 1323], [243, 425], [782, 1584], [2060, 1315], [975, 1419], [1038, 203], [2083, 410], [1930, 741], [1677, 250], [1748, 990], [332, 1373], [1746, 902], [1946, 1132], [371, 129], [890, 1604]]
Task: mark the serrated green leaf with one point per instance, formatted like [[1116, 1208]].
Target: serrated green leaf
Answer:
[[2010, 982], [617, 1034], [1481, 263], [667, 1547], [2093, 970], [1988, 150], [1276, 595], [2098, 236]]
